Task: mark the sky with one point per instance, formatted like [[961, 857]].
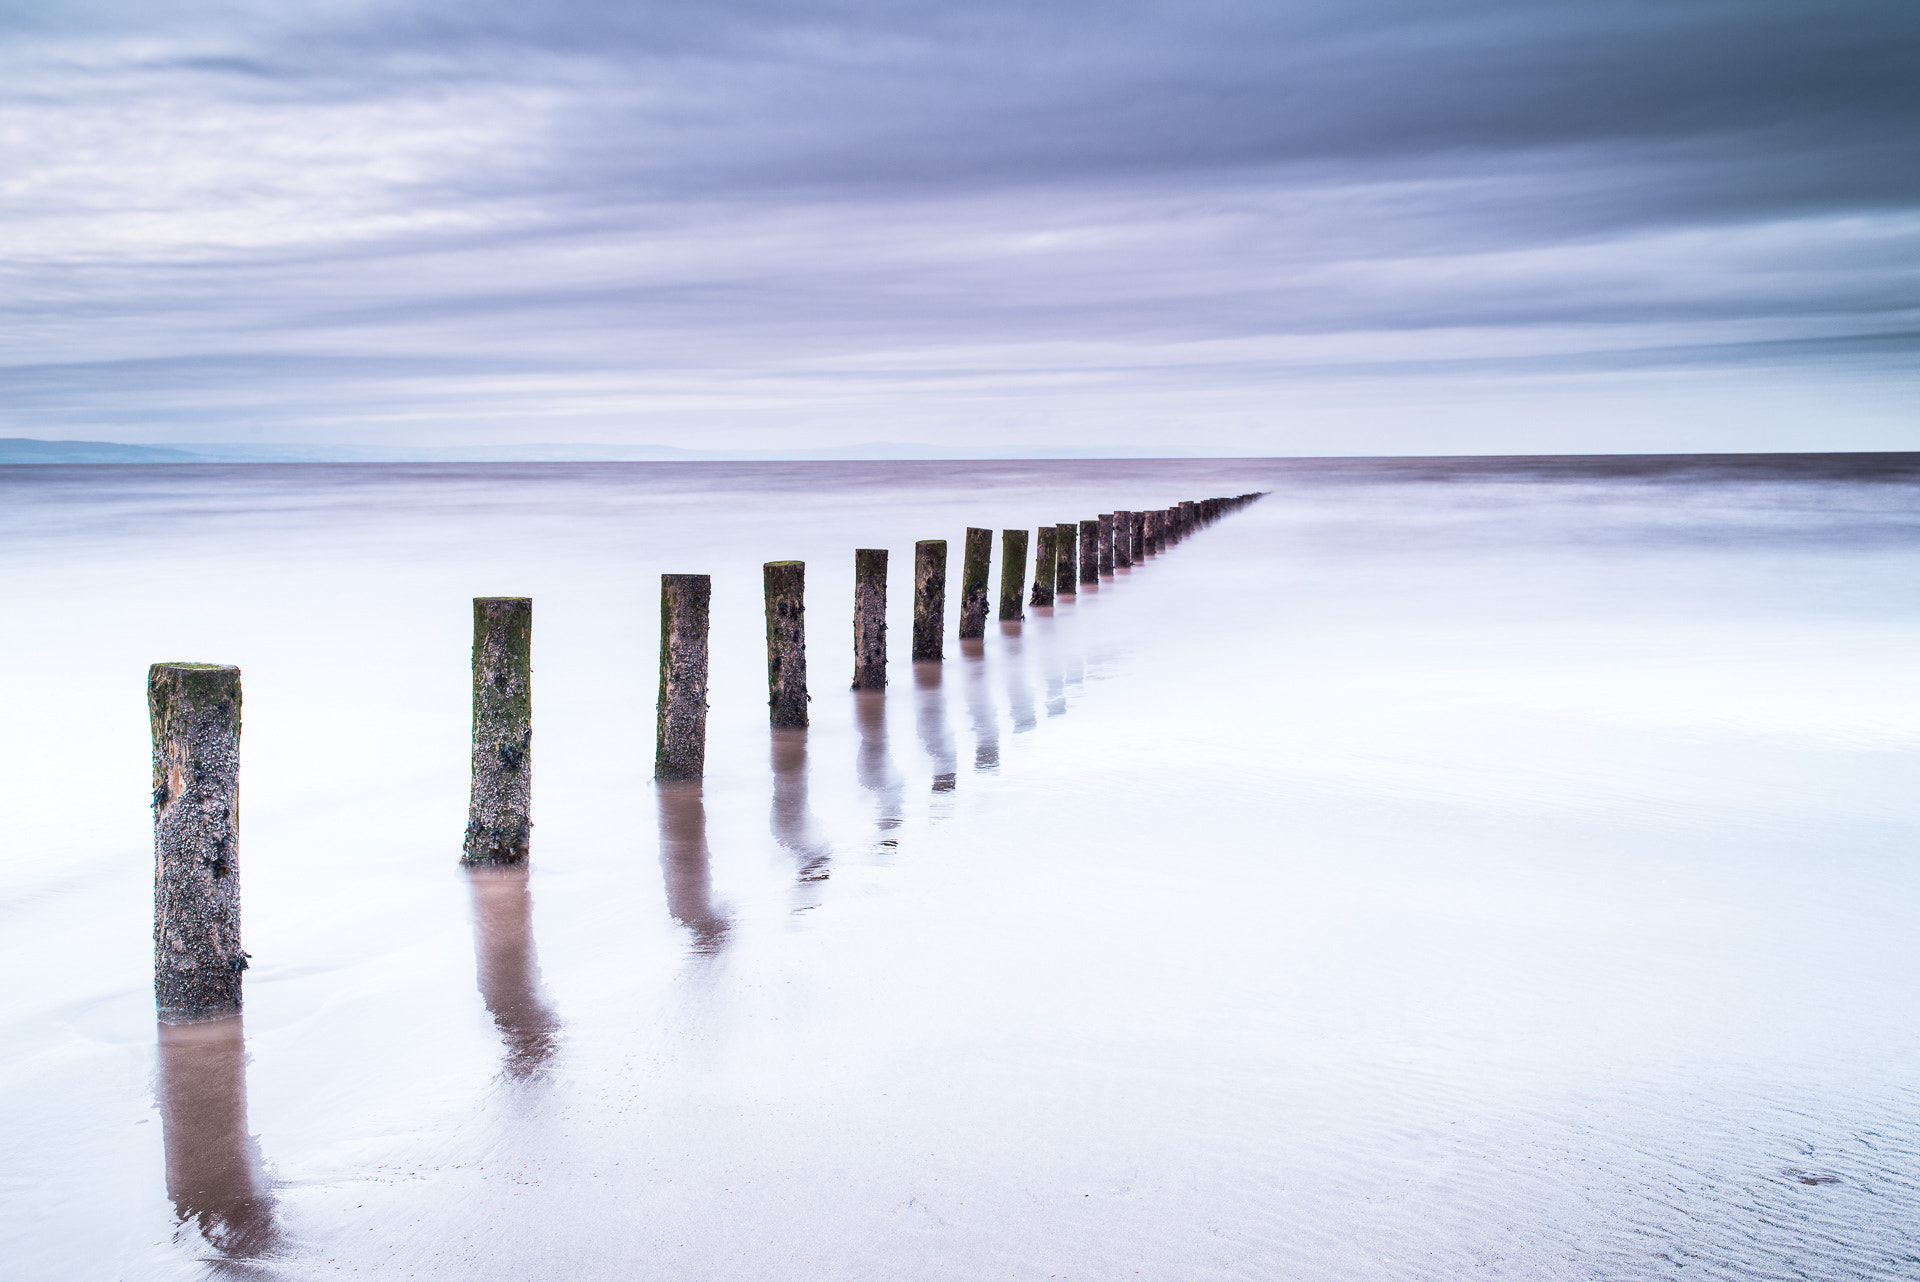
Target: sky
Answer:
[[1257, 227]]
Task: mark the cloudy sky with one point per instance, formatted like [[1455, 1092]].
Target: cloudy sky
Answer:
[[1213, 226]]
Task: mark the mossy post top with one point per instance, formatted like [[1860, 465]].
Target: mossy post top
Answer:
[[196, 678]]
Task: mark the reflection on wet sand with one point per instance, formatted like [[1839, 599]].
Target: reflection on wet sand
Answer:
[[686, 863], [875, 764], [214, 1175], [508, 971], [791, 821], [930, 718], [1019, 689], [986, 727]]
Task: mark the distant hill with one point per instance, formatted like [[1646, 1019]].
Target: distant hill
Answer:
[[24, 450], [21, 449]]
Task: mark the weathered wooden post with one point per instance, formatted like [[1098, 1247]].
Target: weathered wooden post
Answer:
[[1066, 575], [1045, 563], [197, 958], [1013, 575], [1154, 528], [1138, 540], [929, 599], [500, 810], [786, 590], [680, 737], [973, 583], [870, 618], [1187, 517], [1106, 543], [1090, 551], [1122, 538]]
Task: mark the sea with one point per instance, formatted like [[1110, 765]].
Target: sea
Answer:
[[1439, 868]]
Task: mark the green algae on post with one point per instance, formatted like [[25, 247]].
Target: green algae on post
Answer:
[[973, 583], [500, 806], [1066, 574], [680, 737], [1045, 562], [929, 599], [869, 618], [1013, 575], [194, 709], [785, 583]]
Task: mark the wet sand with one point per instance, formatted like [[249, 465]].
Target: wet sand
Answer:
[[1442, 868]]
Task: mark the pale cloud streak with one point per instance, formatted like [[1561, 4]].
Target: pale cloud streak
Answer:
[[1274, 227]]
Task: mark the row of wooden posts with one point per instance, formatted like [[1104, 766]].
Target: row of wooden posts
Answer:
[[195, 710]]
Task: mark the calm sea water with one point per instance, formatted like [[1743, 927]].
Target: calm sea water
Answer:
[[1437, 870]]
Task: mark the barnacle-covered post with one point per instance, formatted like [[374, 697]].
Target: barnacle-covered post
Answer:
[[973, 583], [1066, 574], [500, 811], [786, 589], [1044, 564], [197, 958], [929, 599], [1090, 551], [680, 738], [1013, 575], [869, 618]]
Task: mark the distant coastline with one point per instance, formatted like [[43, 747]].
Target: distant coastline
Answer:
[[26, 450]]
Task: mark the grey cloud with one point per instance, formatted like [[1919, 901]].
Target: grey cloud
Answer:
[[670, 191]]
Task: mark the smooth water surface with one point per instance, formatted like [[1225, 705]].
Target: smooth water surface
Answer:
[[1438, 869]]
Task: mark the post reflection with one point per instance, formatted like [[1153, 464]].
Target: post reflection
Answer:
[[1019, 688], [986, 727], [686, 864], [875, 764], [508, 970], [930, 719], [214, 1175], [791, 821]]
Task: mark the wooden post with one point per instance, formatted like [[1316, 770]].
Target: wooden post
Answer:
[[1122, 538], [500, 812], [1187, 517], [197, 958], [929, 599], [1170, 528], [1066, 574], [1013, 575], [680, 738], [1138, 540], [870, 618], [1106, 543], [973, 583], [1045, 563], [1090, 551], [1155, 520], [786, 589]]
